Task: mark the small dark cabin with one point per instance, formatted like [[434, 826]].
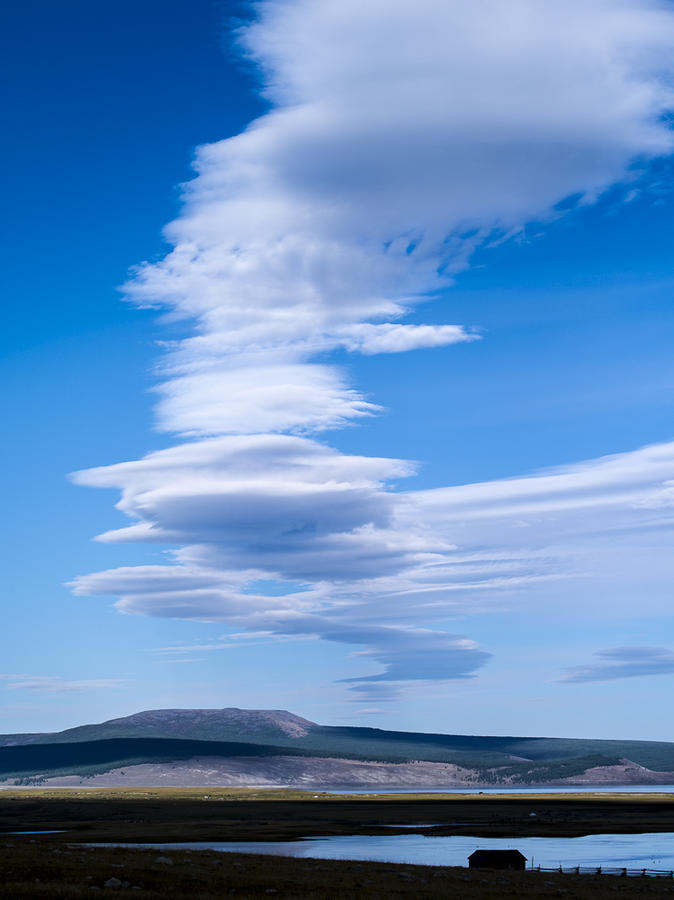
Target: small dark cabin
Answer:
[[497, 859]]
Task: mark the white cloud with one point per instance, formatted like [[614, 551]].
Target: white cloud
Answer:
[[390, 338], [402, 136], [259, 398]]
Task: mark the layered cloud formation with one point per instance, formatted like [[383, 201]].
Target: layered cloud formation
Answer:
[[623, 662], [400, 137], [249, 510], [55, 684]]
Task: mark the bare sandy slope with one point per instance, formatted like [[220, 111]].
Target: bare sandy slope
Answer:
[[277, 771], [627, 773], [319, 773]]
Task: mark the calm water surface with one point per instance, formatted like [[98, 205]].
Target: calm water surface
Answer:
[[538, 789], [634, 851]]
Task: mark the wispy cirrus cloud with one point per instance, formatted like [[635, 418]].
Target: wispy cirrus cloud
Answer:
[[400, 138], [623, 662], [229, 642], [55, 684]]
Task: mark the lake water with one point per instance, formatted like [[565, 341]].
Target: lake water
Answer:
[[633, 851], [538, 789]]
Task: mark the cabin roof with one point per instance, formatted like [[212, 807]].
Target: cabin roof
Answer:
[[498, 854]]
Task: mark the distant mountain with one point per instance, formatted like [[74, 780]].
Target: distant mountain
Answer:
[[13, 740], [155, 736], [265, 726]]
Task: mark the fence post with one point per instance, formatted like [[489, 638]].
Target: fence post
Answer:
[[623, 874], [643, 871]]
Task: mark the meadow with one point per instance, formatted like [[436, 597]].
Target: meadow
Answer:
[[62, 865], [48, 869]]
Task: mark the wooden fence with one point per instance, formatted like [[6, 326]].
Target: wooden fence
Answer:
[[605, 870]]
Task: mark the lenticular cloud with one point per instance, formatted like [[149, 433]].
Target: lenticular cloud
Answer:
[[400, 137]]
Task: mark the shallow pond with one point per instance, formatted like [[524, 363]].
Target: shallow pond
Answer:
[[48, 831]]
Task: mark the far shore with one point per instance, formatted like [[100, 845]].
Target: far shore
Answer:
[[284, 792], [323, 773]]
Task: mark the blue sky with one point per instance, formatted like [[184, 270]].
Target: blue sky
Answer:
[[459, 259]]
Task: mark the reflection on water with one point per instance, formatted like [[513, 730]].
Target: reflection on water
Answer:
[[634, 851]]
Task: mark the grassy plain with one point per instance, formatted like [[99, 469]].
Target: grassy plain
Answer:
[[192, 814], [60, 865]]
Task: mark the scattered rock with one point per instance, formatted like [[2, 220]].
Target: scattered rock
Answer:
[[165, 860], [113, 883]]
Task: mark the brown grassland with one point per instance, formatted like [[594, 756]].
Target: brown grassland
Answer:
[[61, 865]]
